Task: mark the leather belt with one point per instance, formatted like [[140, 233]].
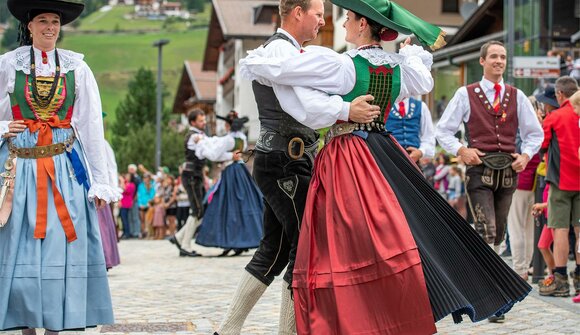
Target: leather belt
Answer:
[[349, 127], [497, 160], [42, 151], [294, 146]]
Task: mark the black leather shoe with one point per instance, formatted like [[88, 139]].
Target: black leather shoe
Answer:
[[185, 253], [173, 241], [225, 253], [496, 319], [239, 251]]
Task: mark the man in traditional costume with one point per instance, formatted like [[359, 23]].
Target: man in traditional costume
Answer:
[[411, 124], [283, 167], [493, 113], [192, 179]]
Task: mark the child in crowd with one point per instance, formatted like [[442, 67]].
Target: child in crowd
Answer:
[[158, 217], [546, 238]]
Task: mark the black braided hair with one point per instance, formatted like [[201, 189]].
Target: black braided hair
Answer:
[[24, 37]]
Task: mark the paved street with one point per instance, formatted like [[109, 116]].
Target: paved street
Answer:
[[156, 292]]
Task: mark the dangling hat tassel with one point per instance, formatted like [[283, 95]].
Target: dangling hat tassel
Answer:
[[440, 42]]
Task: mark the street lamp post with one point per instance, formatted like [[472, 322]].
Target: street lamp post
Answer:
[[159, 44]]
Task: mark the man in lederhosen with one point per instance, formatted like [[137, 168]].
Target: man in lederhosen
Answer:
[[493, 113], [284, 158], [192, 179]]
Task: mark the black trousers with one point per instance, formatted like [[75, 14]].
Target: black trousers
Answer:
[[193, 184], [284, 183], [489, 193]]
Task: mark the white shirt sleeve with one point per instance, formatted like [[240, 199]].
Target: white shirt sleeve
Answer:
[[215, 148], [319, 68], [456, 112], [313, 108], [530, 128], [416, 78], [427, 133], [87, 121], [298, 81]]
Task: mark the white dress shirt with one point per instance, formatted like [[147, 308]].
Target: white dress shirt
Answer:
[[458, 111], [299, 79]]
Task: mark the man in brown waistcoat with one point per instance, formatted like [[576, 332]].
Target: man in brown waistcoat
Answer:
[[493, 114]]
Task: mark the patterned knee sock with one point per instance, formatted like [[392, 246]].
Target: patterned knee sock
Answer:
[[287, 324], [247, 294]]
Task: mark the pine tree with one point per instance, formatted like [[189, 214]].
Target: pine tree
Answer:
[[139, 106], [134, 133]]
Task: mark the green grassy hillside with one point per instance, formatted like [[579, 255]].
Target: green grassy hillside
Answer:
[[114, 58], [119, 19]]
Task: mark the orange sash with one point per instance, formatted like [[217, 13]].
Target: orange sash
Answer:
[[44, 172]]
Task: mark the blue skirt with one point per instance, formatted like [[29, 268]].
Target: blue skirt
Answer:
[[233, 218], [49, 283]]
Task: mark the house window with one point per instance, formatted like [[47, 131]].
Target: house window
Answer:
[[450, 6]]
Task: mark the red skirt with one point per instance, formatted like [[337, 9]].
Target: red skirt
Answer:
[[357, 270]]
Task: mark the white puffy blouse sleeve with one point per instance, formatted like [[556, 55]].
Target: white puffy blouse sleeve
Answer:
[[87, 121], [215, 148], [416, 78]]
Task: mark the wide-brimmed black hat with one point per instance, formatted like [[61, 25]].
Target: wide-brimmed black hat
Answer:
[[236, 123], [69, 10], [549, 96]]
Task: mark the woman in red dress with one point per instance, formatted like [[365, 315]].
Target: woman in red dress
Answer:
[[380, 251]]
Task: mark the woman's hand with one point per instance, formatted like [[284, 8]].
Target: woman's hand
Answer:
[[405, 43], [15, 127], [237, 156]]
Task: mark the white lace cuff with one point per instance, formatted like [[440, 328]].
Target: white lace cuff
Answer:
[[415, 50], [104, 192]]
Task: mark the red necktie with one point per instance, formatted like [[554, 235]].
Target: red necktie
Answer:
[[496, 102], [402, 108], [44, 57]]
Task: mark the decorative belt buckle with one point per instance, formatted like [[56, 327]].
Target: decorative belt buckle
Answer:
[[291, 147]]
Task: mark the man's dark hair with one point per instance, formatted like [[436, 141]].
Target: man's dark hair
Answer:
[[483, 50], [192, 116], [567, 85]]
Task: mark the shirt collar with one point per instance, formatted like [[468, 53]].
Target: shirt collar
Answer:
[[488, 85], [294, 42], [196, 130], [39, 52]]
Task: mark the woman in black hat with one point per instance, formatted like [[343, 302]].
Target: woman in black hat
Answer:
[[52, 272], [380, 251], [233, 218]]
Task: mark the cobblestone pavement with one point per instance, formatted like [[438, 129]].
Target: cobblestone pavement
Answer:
[[156, 292]]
